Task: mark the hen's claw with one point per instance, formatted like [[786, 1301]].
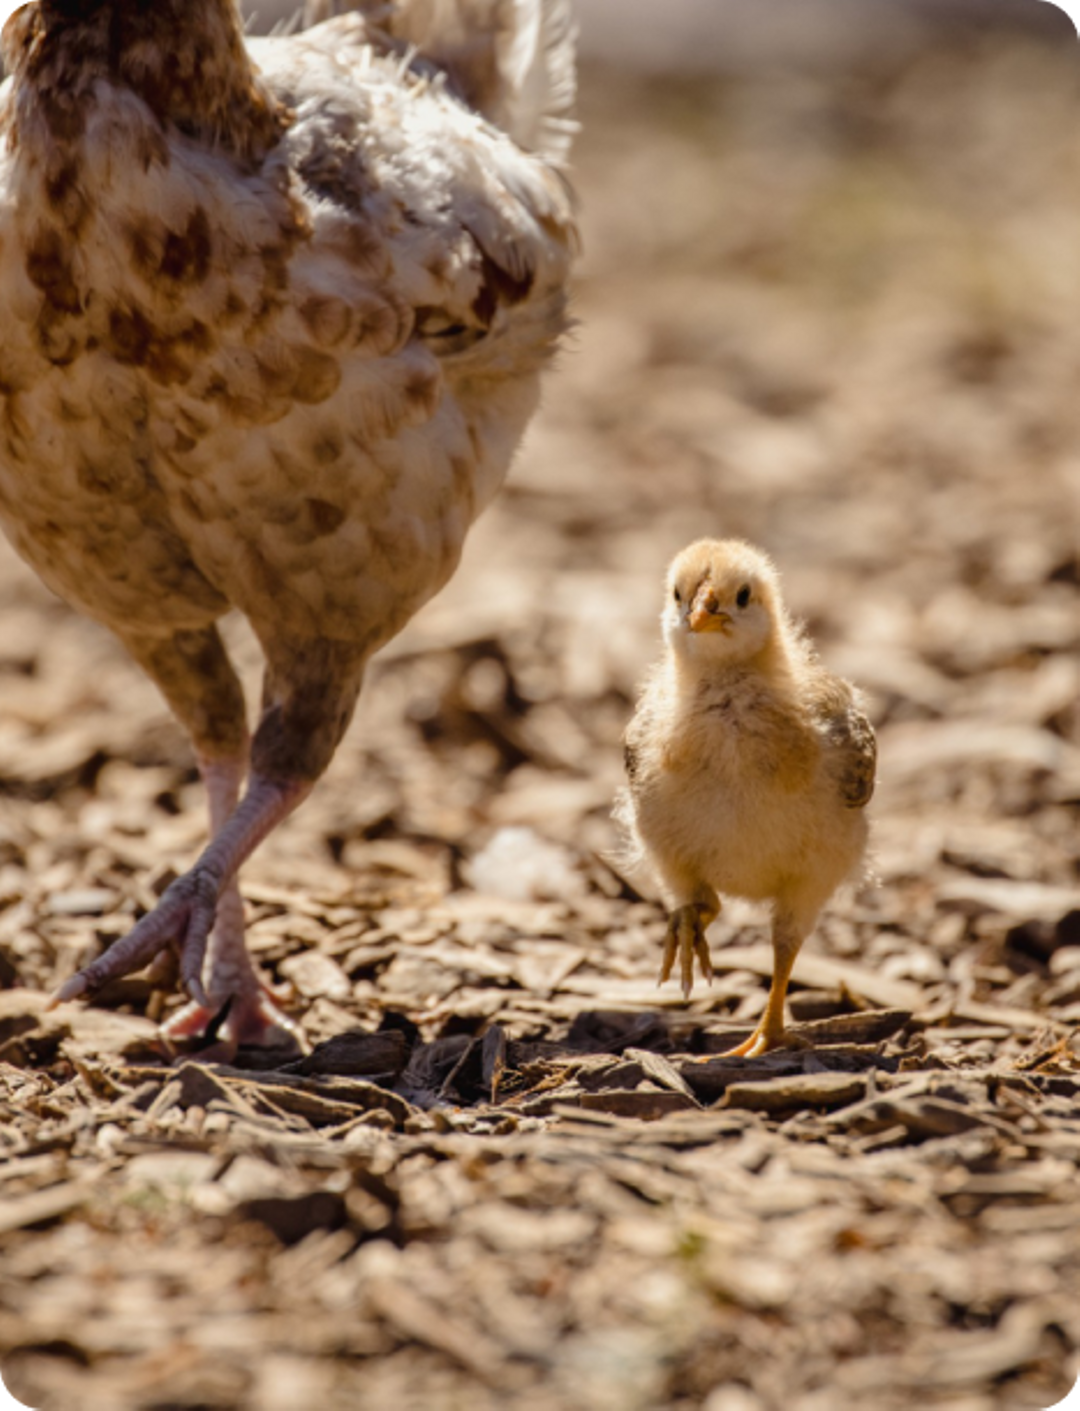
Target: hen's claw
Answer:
[[183, 918]]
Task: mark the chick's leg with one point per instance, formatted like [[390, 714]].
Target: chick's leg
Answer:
[[685, 938], [788, 934]]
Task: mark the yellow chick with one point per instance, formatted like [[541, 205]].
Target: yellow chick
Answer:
[[749, 765]]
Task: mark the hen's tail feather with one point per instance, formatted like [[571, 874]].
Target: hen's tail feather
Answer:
[[281, 29], [511, 60]]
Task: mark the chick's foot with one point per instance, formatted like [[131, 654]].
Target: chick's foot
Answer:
[[685, 938], [770, 1032], [762, 1040]]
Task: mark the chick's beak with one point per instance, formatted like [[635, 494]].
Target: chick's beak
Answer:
[[705, 613]]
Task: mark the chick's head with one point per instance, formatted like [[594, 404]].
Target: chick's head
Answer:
[[723, 601]]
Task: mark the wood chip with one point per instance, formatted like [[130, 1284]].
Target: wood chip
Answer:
[[831, 314], [44, 1206], [793, 1092]]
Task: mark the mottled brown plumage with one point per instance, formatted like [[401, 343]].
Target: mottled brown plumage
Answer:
[[749, 765], [274, 317]]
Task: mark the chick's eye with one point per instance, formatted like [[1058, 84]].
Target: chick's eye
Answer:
[[678, 596], [742, 597]]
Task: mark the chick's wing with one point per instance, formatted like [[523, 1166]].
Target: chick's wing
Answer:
[[850, 743]]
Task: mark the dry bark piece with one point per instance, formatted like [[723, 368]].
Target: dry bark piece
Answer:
[[710, 1078], [634, 1067], [493, 1060], [645, 1102], [356, 1054], [294, 1218], [868, 1027], [792, 1092], [315, 974], [1006, 1015], [44, 1206], [335, 1101], [430, 1066], [323, 1100], [612, 1030]]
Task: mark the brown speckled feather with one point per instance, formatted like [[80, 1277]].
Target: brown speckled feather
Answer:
[[271, 332]]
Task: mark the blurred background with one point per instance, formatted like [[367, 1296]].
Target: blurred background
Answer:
[[830, 301], [675, 36]]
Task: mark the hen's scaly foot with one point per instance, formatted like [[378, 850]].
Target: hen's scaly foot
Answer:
[[189, 919], [200, 916], [234, 1008], [182, 918], [685, 937], [249, 1020]]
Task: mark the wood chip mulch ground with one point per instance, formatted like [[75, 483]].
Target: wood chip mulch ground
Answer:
[[837, 315]]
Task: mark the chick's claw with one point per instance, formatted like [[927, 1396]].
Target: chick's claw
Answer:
[[685, 938]]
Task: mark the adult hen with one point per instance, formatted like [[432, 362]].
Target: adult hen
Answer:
[[274, 314]]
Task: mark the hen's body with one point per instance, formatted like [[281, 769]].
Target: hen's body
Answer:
[[270, 337]]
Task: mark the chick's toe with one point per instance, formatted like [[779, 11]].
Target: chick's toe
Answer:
[[685, 938]]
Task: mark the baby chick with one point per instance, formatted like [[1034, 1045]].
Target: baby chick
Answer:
[[749, 765]]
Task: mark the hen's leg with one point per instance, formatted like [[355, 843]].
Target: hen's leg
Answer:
[[229, 960], [228, 973], [197, 679], [308, 701]]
